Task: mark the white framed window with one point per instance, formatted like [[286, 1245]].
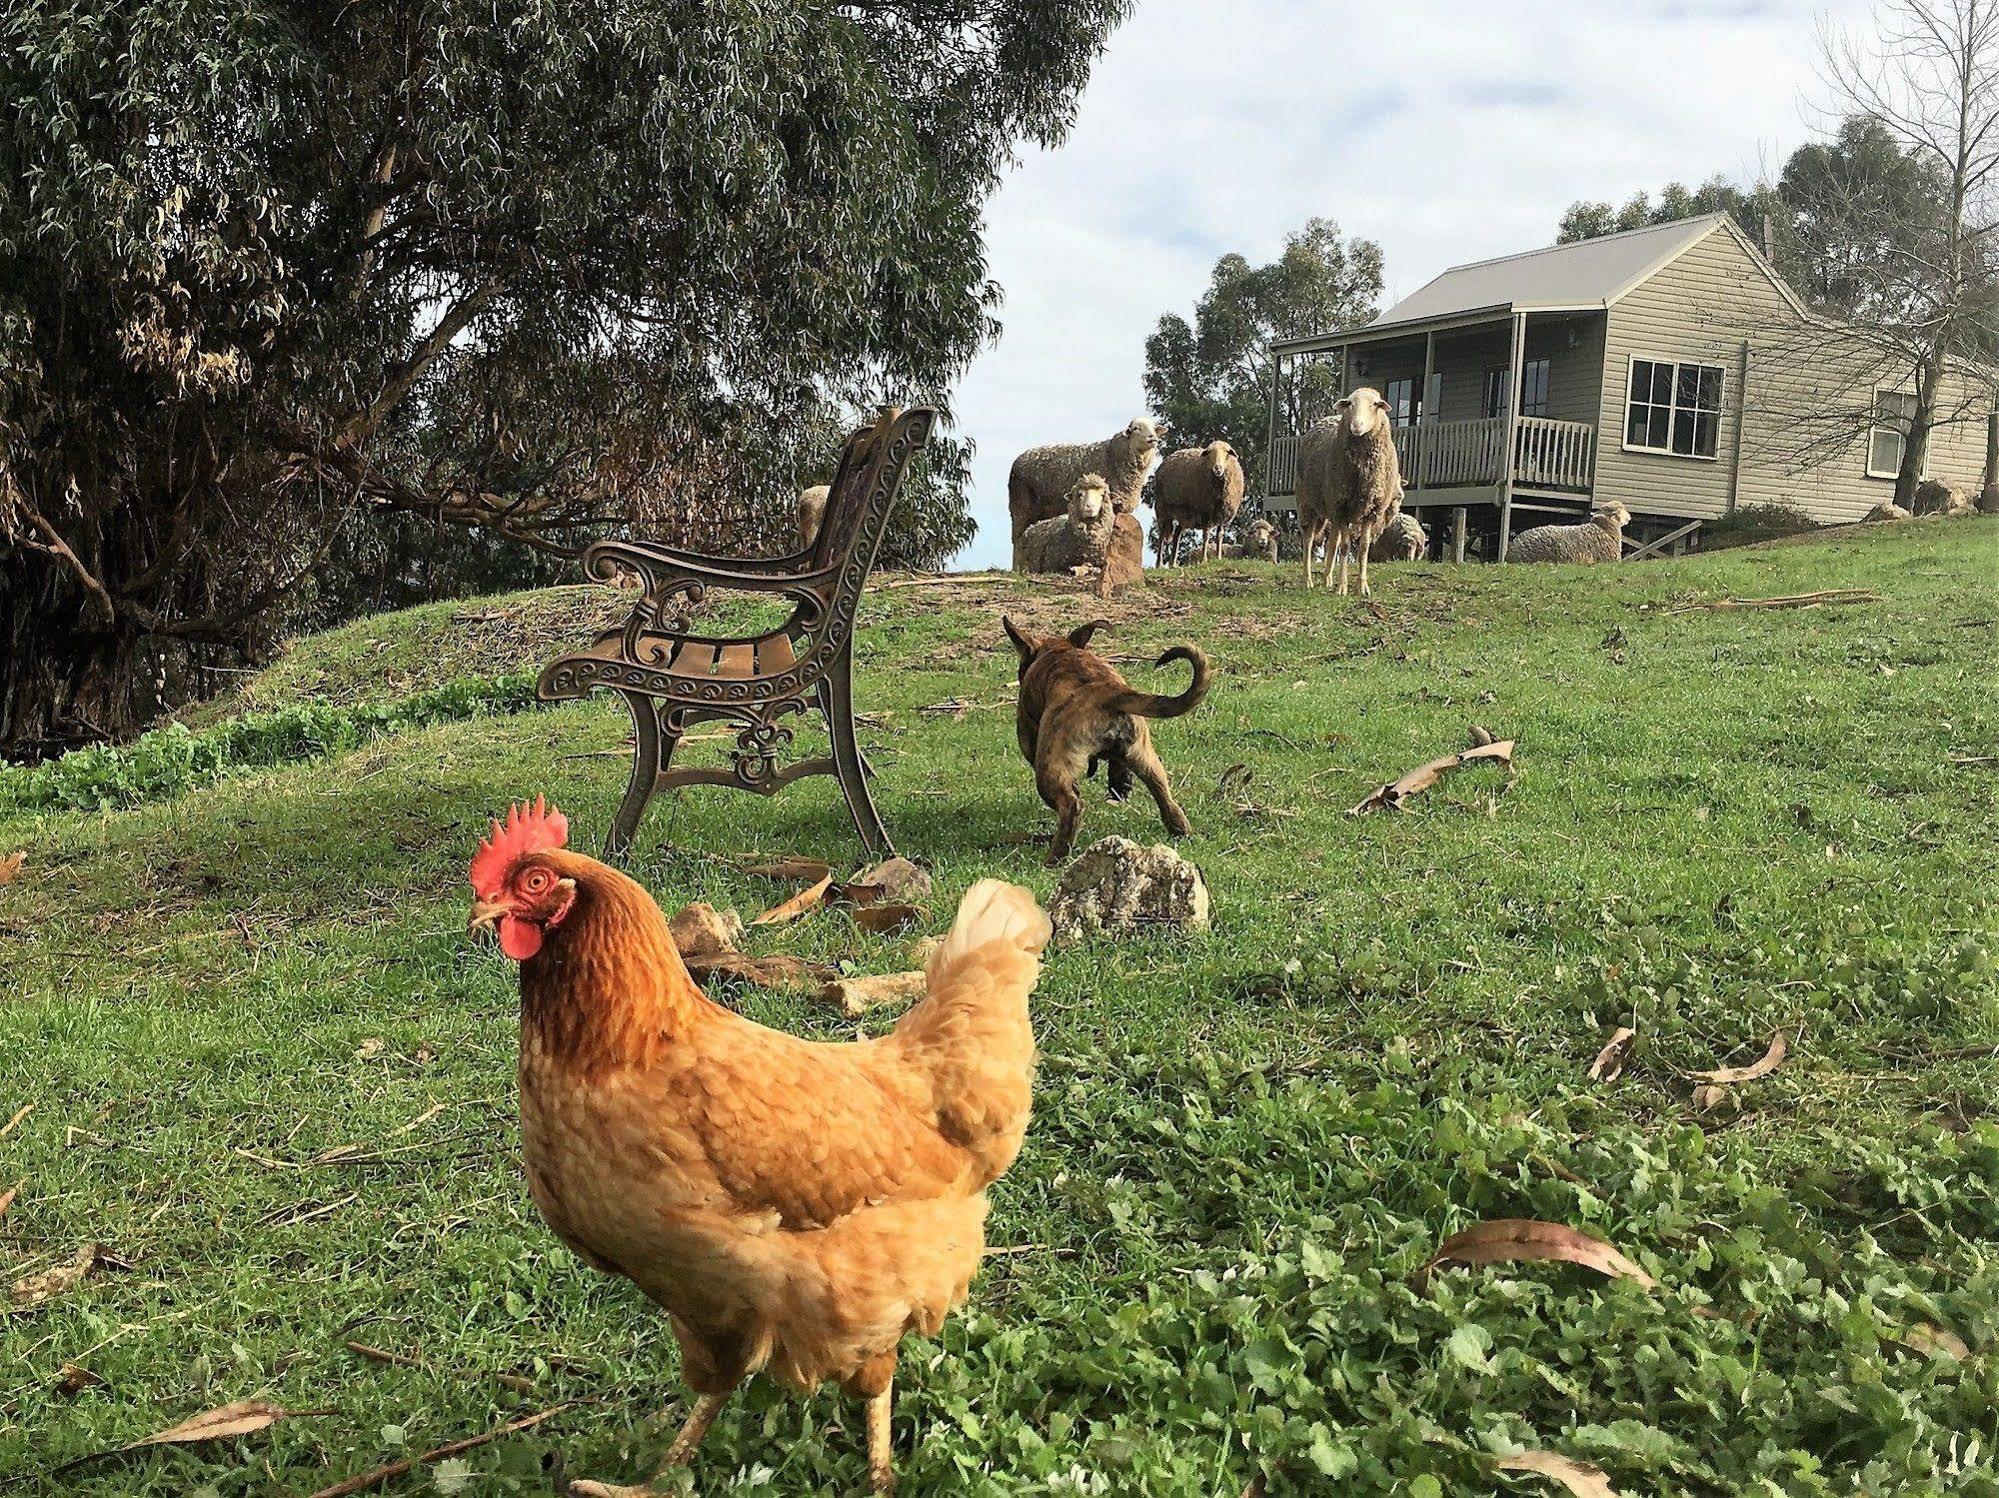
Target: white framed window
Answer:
[[1673, 407], [1888, 437]]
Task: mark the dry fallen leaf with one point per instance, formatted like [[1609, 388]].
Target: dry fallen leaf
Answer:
[[11, 865], [883, 918], [856, 996], [1772, 1059], [74, 1379], [1508, 1238], [1927, 1337], [797, 905], [241, 1418], [33, 1289], [1711, 1099], [1420, 779], [370, 1048], [1609, 1063], [1580, 1478]]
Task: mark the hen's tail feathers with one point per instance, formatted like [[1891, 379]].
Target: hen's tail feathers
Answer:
[[1148, 705], [970, 1033]]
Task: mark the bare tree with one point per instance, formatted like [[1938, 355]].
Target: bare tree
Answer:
[[1920, 293]]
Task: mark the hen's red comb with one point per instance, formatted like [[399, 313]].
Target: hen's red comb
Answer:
[[528, 829]]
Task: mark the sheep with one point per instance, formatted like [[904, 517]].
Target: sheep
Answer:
[[1038, 485], [1403, 539], [1080, 538], [1349, 483], [1258, 541], [1935, 497], [811, 514], [1197, 486], [1887, 510], [1601, 539]]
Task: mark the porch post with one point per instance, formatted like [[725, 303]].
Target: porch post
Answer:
[[1270, 436], [1458, 535], [1424, 415], [1346, 367], [1507, 451]]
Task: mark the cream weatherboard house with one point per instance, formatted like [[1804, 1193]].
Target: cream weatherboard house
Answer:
[[1668, 368]]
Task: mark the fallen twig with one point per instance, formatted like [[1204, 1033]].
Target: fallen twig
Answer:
[[1788, 601], [390, 1470], [1420, 779], [19, 1113], [403, 1360]]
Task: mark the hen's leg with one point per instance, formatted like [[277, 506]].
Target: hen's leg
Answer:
[[875, 1384]]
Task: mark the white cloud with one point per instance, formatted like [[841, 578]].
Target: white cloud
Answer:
[[1446, 130]]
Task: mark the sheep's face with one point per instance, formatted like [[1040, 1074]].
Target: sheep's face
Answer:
[[1144, 435], [1363, 413], [1261, 534], [1612, 516], [1089, 499], [1220, 455]]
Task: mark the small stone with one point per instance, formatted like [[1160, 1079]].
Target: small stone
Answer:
[[1116, 887], [899, 880], [701, 930]]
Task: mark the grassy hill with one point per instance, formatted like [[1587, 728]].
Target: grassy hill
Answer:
[[264, 1069]]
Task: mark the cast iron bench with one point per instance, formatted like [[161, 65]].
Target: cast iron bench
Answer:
[[672, 679]]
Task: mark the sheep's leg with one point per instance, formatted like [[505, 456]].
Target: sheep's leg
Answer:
[[1346, 555], [1366, 546], [1310, 536]]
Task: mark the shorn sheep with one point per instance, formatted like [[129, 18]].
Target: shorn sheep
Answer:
[[1079, 538], [1935, 497], [1403, 539], [1600, 540], [1038, 486], [1196, 488], [811, 514], [1349, 483]]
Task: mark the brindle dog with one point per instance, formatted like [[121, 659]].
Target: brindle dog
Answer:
[[1076, 712]]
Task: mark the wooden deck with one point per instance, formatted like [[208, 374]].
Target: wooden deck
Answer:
[[1554, 457]]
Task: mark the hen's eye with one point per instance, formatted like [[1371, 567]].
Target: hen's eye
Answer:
[[537, 881]]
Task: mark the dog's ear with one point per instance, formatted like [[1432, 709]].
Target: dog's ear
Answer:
[[1080, 635], [1024, 643]]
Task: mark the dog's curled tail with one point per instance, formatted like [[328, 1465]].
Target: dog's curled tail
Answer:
[[1150, 705]]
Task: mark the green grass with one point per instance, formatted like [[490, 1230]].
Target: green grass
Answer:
[[268, 1070]]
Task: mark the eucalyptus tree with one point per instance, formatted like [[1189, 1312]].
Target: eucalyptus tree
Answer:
[[269, 265]]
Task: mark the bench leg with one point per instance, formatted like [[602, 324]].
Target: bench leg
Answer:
[[836, 700], [652, 752]]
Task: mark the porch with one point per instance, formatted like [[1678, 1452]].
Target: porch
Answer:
[[1494, 409]]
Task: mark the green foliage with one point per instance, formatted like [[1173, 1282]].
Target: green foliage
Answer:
[[581, 265], [171, 761], [269, 1070], [1211, 379]]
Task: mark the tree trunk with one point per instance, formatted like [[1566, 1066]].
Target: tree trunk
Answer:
[[1916, 447], [62, 684]]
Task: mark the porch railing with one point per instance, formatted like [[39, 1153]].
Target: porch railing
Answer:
[[1547, 454]]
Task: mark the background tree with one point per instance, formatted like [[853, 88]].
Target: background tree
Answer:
[[1210, 379], [270, 267]]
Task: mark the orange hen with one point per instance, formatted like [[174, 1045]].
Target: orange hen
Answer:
[[795, 1206]]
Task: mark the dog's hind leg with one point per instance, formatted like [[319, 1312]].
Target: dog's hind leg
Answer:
[[1141, 761], [1055, 779]]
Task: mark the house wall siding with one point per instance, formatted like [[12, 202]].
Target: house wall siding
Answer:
[[1709, 305]]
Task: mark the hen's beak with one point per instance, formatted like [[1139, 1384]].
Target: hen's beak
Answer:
[[485, 915]]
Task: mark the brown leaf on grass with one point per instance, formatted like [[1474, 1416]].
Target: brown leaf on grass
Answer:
[[34, 1289], [806, 899], [856, 996], [242, 1418], [74, 1378], [1580, 1478], [1509, 1238], [1393, 795], [7, 1197], [880, 919], [809, 869], [1711, 1099], [1609, 1063], [10, 866], [1772, 1059], [370, 1048], [1929, 1338]]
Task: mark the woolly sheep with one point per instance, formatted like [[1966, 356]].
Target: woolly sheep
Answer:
[[1196, 487], [1935, 497], [1349, 483], [811, 514], [1079, 538], [1259, 540], [1403, 539], [1038, 485], [1600, 540], [1887, 510]]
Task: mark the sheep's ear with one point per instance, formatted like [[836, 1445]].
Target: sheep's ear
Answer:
[[1021, 642], [1080, 635]]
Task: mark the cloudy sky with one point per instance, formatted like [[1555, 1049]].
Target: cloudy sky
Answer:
[[1446, 130]]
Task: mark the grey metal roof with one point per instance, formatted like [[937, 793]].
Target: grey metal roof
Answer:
[[1588, 273]]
